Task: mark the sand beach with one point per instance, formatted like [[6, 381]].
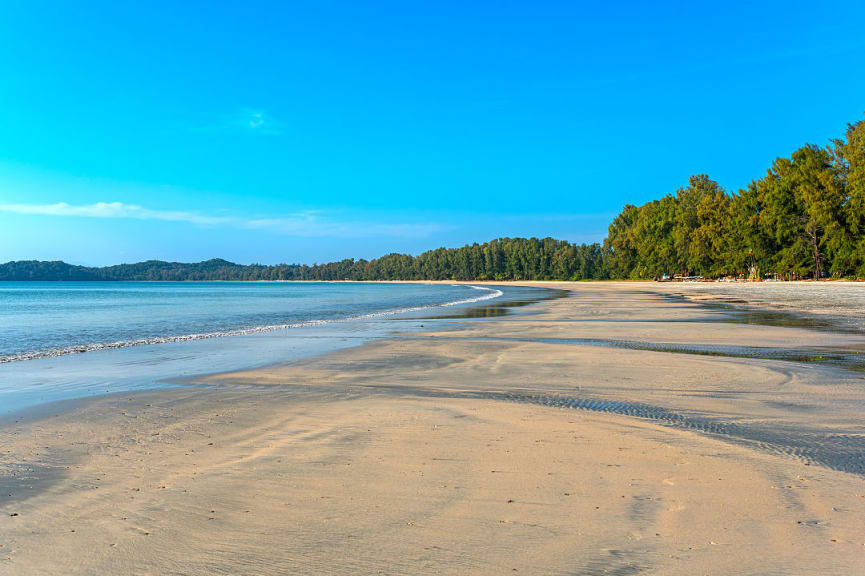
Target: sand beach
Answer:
[[620, 429]]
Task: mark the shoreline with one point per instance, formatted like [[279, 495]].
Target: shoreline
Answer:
[[126, 368], [246, 331], [457, 452]]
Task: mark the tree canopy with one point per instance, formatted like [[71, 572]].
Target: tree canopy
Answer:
[[804, 218]]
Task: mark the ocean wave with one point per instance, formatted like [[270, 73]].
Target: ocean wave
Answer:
[[80, 349]]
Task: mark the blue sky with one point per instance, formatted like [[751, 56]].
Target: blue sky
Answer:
[[310, 131]]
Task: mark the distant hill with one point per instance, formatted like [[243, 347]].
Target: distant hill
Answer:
[[38, 270], [216, 269], [502, 259]]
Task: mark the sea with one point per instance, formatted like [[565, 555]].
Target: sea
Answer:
[[67, 340]]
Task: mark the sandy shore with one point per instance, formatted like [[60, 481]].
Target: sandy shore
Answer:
[[616, 431]]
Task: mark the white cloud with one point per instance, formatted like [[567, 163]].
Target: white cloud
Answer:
[[304, 224], [249, 120], [309, 224], [257, 121], [111, 210]]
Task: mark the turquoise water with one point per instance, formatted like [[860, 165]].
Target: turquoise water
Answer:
[[64, 340], [39, 319]]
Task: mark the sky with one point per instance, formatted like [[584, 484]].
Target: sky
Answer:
[[312, 131]]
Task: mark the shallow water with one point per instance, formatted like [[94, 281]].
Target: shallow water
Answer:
[[847, 358], [41, 319], [838, 305], [306, 319]]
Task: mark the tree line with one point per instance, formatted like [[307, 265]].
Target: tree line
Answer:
[[804, 218], [502, 259]]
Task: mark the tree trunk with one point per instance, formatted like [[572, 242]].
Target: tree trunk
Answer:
[[818, 268]]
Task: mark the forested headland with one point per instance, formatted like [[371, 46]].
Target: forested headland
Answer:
[[804, 218]]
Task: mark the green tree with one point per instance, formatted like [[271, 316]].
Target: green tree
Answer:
[[849, 155]]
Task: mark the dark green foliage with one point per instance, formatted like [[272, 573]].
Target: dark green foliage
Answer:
[[805, 217], [36, 270], [849, 157]]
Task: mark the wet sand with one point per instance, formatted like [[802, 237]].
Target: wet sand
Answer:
[[615, 431]]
